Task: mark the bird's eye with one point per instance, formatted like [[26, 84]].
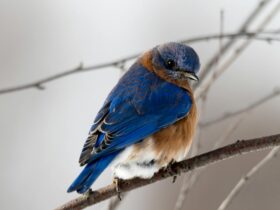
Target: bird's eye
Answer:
[[170, 63]]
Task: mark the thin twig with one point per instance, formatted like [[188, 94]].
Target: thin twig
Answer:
[[238, 148], [227, 115], [244, 27], [263, 36], [185, 189], [204, 87], [121, 62], [229, 131], [241, 183], [222, 22], [79, 69]]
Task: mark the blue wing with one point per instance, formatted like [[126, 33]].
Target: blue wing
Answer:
[[140, 105]]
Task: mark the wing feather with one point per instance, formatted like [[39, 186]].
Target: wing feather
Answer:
[[136, 108]]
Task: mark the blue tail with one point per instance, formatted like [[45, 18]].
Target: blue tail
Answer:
[[90, 173]]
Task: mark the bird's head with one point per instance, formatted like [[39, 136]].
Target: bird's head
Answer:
[[175, 61]]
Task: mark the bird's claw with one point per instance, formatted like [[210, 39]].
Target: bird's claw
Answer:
[[174, 179], [172, 172], [117, 186], [88, 193]]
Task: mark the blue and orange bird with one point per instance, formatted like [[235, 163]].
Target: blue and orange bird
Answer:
[[147, 121]]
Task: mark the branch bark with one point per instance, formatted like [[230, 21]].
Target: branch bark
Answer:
[[241, 183], [238, 148], [119, 63]]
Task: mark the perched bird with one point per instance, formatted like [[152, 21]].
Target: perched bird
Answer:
[[147, 121]]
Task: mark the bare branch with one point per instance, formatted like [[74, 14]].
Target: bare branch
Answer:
[[79, 69], [187, 184], [244, 27], [237, 188], [228, 132], [273, 152], [238, 148], [267, 36], [121, 62], [204, 87], [227, 115]]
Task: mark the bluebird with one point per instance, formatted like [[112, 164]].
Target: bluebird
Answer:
[[147, 121]]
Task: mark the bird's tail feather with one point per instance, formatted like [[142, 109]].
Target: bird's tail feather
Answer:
[[90, 173]]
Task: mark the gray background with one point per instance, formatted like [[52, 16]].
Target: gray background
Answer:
[[42, 132]]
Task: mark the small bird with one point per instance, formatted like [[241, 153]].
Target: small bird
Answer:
[[147, 121]]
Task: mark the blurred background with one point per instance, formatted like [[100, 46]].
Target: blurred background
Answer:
[[42, 131]]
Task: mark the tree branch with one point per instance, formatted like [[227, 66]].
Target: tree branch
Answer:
[[204, 87], [79, 69], [266, 36], [120, 62], [237, 188], [238, 148], [244, 27], [227, 115], [188, 182]]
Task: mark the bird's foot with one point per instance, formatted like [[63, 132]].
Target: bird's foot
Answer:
[[117, 186], [88, 193], [174, 179], [172, 172]]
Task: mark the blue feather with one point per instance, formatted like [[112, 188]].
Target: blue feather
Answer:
[[90, 173], [99, 139]]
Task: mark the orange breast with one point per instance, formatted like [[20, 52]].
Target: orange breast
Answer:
[[171, 142]]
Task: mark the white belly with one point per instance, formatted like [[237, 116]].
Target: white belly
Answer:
[[144, 162]]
